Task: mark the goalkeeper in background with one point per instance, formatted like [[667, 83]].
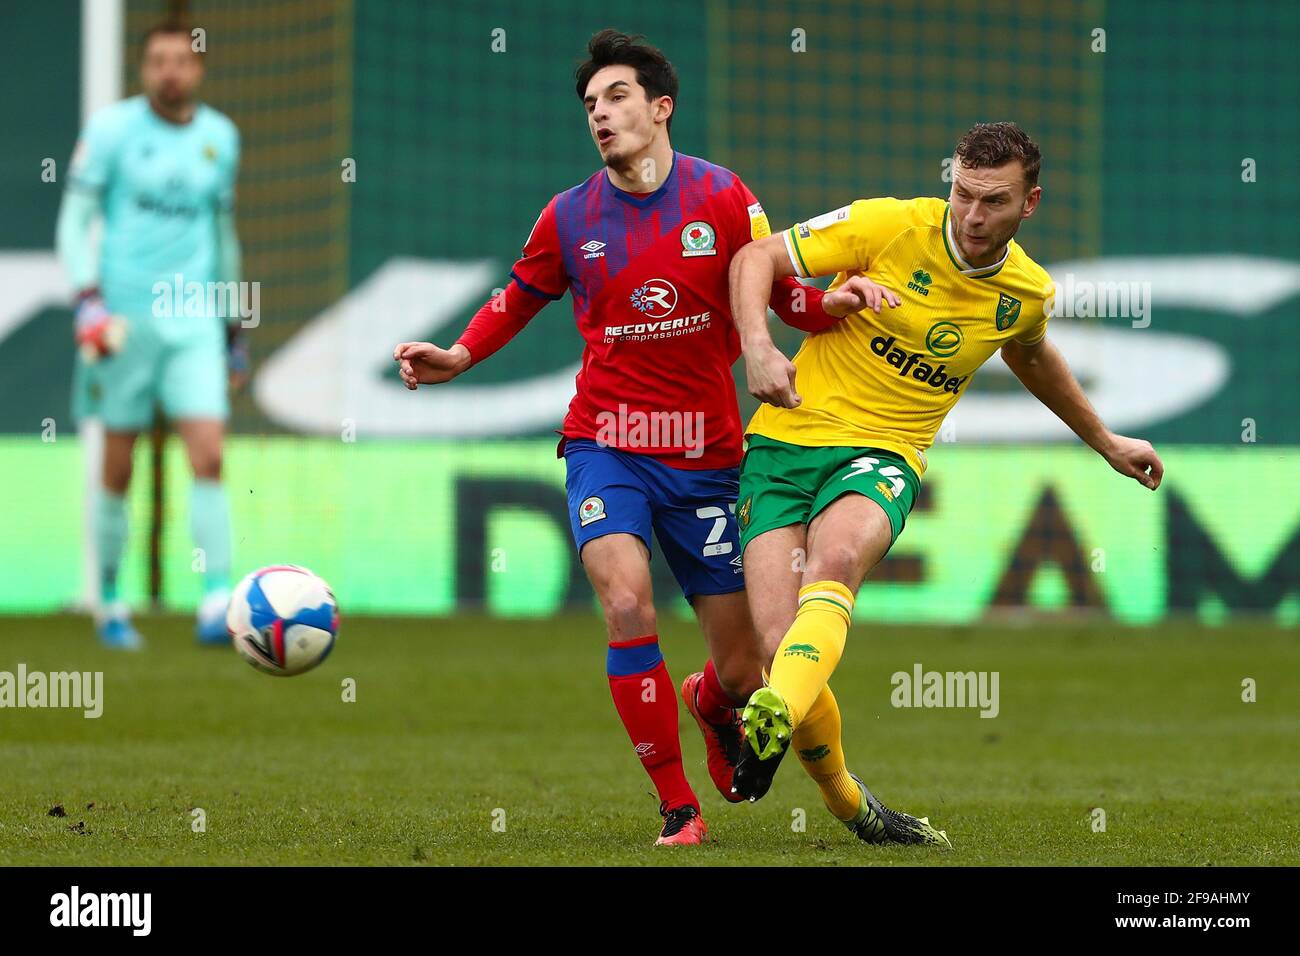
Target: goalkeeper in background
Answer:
[[159, 170]]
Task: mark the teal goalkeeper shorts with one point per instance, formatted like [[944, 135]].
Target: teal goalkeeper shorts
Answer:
[[185, 375]]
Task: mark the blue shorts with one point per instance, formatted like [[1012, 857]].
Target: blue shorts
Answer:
[[692, 513]]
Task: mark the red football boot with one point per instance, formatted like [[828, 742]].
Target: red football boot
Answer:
[[683, 826], [721, 741]]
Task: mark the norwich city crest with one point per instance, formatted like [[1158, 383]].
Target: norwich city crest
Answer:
[[1008, 311]]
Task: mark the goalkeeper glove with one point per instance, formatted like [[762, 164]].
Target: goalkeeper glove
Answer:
[[98, 332], [237, 357]]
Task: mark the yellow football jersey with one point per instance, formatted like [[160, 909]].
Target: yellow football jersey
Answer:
[[887, 380]]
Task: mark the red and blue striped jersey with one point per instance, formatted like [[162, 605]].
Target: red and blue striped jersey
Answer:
[[648, 277]]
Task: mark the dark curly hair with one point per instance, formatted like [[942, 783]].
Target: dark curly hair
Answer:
[[612, 48], [991, 144]]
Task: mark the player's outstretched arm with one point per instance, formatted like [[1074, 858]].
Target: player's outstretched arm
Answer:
[[857, 294], [1043, 370], [496, 323], [808, 309], [501, 318], [800, 306], [795, 304], [423, 363], [754, 268]]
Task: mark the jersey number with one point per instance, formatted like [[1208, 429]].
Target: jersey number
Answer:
[[862, 466], [713, 544]]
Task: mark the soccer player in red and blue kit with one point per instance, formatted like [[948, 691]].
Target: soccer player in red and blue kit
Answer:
[[652, 439]]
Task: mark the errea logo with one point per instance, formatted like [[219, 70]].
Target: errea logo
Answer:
[[920, 282]]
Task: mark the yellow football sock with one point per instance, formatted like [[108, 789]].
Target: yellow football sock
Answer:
[[817, 742], [813, 645]]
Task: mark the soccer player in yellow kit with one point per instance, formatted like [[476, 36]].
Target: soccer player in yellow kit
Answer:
[[833, 467]]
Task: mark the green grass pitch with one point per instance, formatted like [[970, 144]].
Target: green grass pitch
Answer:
[[465, 723]]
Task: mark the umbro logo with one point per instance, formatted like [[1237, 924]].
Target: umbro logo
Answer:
[[592, 248]]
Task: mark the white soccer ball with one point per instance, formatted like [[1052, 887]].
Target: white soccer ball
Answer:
[[283, 619]]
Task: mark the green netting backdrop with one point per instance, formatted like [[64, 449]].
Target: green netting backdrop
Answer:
[[1170, 130]]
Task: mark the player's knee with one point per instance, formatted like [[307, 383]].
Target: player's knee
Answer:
[[835, 562], [740, 675], [207, 465], [117, 476], [628, 613]]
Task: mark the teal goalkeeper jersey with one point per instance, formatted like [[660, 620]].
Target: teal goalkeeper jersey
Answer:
[[161, 185]]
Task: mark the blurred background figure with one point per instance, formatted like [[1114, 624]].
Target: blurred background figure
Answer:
[[159, 170]]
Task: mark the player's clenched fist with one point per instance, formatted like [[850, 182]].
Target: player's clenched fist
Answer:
[[1136, 459], [770, 376], [423, 363], [857, 294]]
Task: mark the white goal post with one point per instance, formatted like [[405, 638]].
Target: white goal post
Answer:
[[102, 50]]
